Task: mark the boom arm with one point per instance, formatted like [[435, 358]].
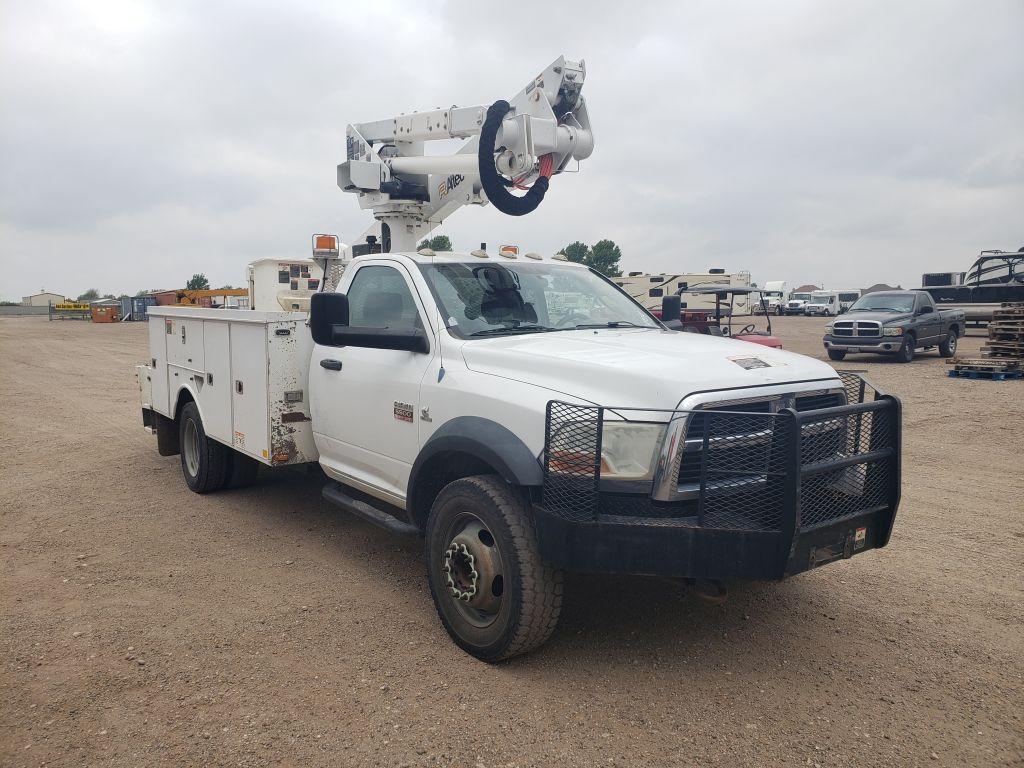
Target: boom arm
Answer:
[[518, 144]]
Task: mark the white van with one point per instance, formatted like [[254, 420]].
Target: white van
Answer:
[[847, 299], [822, 303]]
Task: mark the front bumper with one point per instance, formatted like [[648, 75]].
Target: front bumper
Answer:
[[787, 492], [881, 345]]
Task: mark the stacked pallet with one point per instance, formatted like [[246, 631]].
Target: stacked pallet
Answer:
[[1004, 352]]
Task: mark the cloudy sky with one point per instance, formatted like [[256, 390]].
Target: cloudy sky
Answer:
[[849, 143]]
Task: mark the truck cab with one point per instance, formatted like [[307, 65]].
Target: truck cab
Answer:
[[796, 303]]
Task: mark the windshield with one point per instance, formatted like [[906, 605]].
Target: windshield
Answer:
[[884, 302], [800, 296], [489, 299]]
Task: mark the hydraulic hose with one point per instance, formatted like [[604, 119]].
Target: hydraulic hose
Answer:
[[493, 183]]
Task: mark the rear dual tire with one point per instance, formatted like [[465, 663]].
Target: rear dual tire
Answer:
[[207, 464]]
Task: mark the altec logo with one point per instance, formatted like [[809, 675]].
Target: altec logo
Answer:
[[449, 184]]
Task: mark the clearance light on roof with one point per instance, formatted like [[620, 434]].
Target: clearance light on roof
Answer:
[[534, 255], [509, 251], [425, 252], [560, 257], [479, 254]]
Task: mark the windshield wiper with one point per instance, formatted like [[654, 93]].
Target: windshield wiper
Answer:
[[613, 324], [512, 329]]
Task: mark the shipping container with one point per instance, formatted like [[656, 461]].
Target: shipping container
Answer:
[[106, 313]]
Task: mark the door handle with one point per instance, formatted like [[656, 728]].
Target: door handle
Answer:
[[331, 365]]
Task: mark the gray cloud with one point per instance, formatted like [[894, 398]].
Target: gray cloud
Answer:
[[849, 143]]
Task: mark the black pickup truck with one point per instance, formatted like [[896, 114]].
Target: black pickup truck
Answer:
[[894, 323]]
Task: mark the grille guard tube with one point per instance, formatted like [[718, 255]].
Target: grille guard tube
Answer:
[[494, 185]]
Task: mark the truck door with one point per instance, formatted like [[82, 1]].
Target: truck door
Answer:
[[365, 412], [928, 321]]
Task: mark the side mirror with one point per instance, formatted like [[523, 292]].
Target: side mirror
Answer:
[[924, 310], [327, 311], [671, 308], [405, 339]]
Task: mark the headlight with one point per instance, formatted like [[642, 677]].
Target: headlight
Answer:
[[828, 327], [895, 330], [629, 451]]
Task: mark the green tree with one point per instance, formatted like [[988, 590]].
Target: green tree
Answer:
[[198, 282], [90, 295], [226, 288], [603, 256], [436, 243], [577, 252]]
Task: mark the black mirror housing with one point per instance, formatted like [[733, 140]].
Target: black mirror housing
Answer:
[[326, 311], [405, 339]]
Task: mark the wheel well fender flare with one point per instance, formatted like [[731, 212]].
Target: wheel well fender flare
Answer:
[[185, 395], [490, 442]]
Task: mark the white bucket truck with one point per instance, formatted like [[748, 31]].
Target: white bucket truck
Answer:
[[461, 398]]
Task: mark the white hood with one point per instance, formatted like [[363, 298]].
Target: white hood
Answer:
[[638, 368]]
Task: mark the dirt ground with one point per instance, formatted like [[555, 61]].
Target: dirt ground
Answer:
[[141, 624]]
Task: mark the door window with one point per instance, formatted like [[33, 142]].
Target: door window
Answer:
[[379, 297]]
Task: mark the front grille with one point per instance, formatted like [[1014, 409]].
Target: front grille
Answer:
[[689, 466], [857, 328], [812, 401]]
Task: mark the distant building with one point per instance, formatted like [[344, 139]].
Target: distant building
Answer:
[[806, 289], [42, 299], [880, 287]]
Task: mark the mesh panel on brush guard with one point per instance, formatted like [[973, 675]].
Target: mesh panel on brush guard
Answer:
[[858, 389], [834, 494], [742, 470], [572, 460]]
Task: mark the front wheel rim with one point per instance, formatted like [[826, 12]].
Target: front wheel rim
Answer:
[[191, 448], [472, 570], [952, 343]]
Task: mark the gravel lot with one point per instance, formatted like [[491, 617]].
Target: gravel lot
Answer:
[[141, 624]]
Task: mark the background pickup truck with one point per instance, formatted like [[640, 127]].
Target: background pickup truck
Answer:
[[894, 322]]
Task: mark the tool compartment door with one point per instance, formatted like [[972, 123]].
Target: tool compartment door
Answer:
[[249, 404], [158, 377], [214, 389], [185, 343]]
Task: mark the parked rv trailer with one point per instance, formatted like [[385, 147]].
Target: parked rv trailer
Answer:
[[649, 289]]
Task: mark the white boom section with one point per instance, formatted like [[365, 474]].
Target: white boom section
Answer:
[[411, 193]]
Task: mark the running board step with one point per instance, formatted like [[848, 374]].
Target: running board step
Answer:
[[333, 493]]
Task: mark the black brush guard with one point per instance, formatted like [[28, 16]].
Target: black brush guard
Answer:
[[759, 495]]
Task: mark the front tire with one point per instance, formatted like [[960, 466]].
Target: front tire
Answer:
[[836, 354], [947, 348], [494, 595], [203, 461], [906, 352]]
